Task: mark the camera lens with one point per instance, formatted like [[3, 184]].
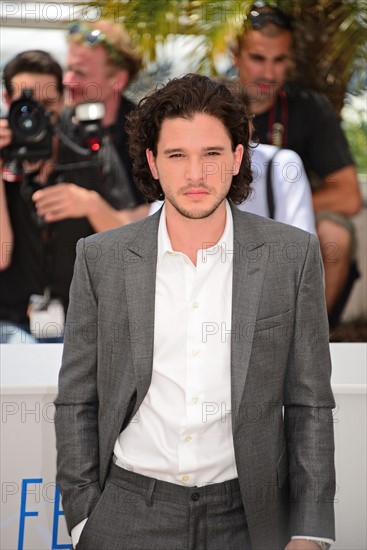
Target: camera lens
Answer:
[[27, 120]]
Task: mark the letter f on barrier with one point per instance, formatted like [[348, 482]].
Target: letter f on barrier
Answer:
[[23, 512]]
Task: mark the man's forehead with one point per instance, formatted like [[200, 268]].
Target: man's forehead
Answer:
[[44, 86], [200, 130], [78, 54], [269, 44]]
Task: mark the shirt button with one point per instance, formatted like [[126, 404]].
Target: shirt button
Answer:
[[195, 305], [195, 496], [195, 400], [185, 478], [188, 438], [195, 352]]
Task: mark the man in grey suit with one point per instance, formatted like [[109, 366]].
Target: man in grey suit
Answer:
[[194, 406]]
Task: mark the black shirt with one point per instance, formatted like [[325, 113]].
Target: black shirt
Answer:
[[312, 129], [25, 274], [120, 140]]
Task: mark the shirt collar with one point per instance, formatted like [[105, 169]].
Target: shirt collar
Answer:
[[224, 244]]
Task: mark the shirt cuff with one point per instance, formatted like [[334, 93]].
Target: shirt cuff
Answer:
[[329, 541], [77, 531]]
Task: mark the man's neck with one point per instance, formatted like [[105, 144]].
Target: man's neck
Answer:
[[191, 235]]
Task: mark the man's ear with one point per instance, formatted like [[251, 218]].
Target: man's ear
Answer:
[[238, 155], [234, 49], [121, 79], [152, 164]]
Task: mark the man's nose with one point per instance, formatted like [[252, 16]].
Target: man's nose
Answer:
[[269, 71], [195, 170], [69, 78]]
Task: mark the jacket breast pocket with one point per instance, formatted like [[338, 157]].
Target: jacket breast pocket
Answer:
[[280, 319]]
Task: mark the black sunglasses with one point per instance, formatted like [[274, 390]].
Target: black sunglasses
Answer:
[[271, 15]]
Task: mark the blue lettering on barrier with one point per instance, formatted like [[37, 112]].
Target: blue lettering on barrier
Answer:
[[23, 512], [57, 513]]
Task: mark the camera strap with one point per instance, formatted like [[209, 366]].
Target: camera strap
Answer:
[[278, 121]]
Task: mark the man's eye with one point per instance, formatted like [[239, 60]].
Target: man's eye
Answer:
[[213, 153], [257, 58], [176, 155]]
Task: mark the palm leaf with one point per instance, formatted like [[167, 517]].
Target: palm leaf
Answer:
[[330, 34]]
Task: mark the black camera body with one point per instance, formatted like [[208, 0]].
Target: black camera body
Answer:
[[32, 130]]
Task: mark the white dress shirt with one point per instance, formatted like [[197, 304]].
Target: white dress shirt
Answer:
[[182, 432]]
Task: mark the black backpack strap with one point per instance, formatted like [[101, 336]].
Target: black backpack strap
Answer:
[[269, 186]]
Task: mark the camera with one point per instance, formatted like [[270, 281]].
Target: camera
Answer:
[[32, 130]]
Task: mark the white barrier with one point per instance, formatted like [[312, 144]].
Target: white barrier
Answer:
[[31, 515]]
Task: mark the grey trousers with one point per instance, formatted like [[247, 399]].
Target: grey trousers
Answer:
[[136, 512]]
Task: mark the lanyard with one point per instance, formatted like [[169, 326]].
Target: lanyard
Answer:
[[278, 131]]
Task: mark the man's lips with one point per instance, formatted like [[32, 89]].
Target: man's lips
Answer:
[[196, 193], [264, 86]]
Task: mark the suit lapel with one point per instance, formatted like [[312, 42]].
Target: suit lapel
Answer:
[[249, 267], [140, 264]]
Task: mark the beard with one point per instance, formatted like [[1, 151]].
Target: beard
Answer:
[[195, 212]]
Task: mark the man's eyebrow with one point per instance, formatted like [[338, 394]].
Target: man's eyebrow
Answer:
[[214, 148], [169, 151], [173, 150], [77, 67], [256, 55], [262, 57], [281, 57]]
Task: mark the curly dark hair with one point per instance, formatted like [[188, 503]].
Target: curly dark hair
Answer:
[[184, 97]]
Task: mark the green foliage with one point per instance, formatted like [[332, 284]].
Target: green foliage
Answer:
[[330, 34], [357, 137]]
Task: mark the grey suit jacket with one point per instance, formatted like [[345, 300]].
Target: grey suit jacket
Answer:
[[280, 371]]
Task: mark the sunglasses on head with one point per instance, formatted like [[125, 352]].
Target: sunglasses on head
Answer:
[[272, 15], [95, 37]]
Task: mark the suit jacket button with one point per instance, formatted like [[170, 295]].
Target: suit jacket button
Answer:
[[195, 496]]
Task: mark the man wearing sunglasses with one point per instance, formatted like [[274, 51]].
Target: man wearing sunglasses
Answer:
[[101, 61], [304, 121]]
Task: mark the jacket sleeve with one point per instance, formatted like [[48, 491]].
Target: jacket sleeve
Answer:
[[77, 401], [308, 402]]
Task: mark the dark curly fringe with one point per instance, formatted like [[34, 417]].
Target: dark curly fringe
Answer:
[[184, 97]]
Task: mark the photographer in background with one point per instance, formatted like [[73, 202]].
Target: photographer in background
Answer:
[[101, 62], [304, 121], [38, 240], [22, 264]]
